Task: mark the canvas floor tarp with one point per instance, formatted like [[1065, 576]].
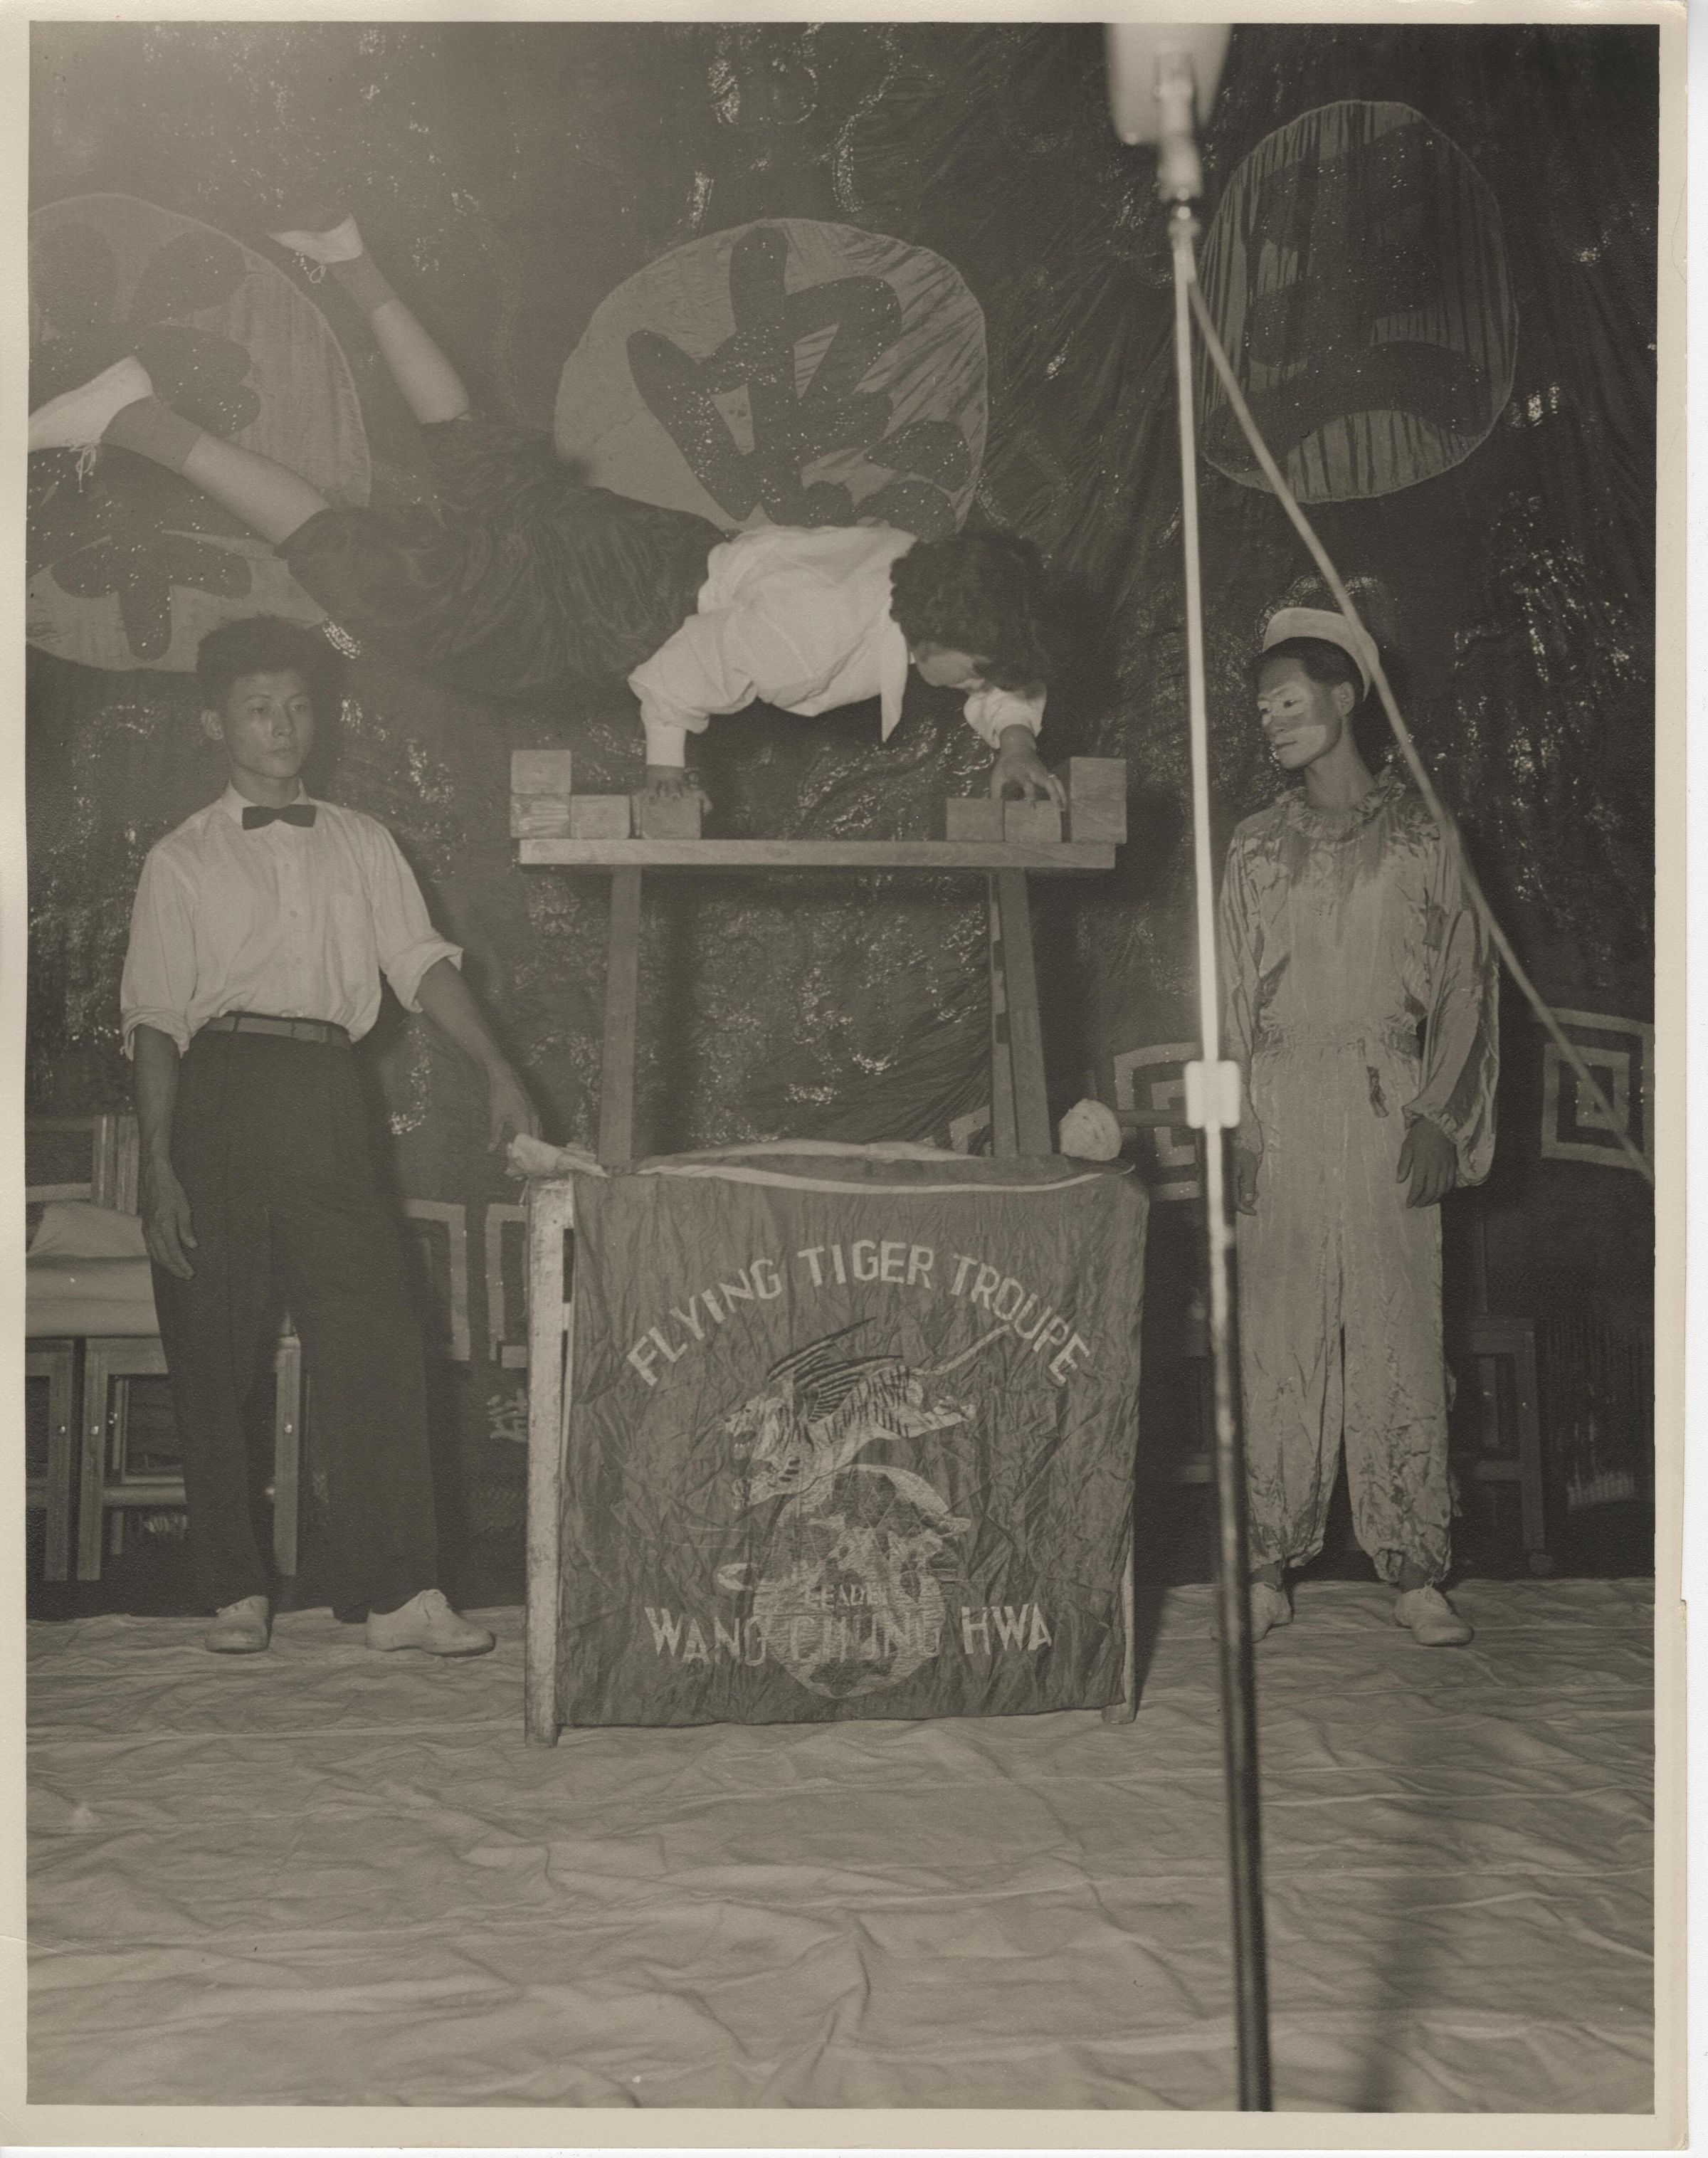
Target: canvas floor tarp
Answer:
[[324, 1878]]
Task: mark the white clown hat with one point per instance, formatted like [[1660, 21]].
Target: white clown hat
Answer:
[[1329, 627]]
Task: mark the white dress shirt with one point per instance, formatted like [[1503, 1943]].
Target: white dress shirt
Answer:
[[293, 920], [800, 620]]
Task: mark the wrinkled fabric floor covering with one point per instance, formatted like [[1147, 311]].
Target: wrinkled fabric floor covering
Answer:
[[327, 1878]]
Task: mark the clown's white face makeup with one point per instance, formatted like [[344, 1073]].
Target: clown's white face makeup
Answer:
[[1302, 719]]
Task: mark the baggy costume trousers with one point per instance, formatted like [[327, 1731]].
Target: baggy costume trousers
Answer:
[[1361, 998], [270, 1142]]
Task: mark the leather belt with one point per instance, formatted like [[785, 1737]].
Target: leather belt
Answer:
[[292, 1030]]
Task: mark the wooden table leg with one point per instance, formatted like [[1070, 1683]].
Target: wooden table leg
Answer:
[[1026, 1031], [550, 1349], [1125, 1710], [91, 1482], [622, 972], [1004, 1139]]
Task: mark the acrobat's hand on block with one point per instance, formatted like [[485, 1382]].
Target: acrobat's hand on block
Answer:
[[670, 790], [1018, 773], [674, 815], [1093, 790]]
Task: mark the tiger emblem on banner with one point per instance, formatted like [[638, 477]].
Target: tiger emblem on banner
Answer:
[[850, 1594]]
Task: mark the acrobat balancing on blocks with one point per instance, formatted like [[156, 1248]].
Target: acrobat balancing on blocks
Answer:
[[523, 579]]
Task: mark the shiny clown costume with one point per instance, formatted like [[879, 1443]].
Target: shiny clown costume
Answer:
[[1360, 996]]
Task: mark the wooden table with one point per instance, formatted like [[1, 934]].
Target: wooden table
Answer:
[[1019, 1105], [1019, 1115]]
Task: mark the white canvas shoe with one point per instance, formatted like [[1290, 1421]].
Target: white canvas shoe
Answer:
[[240, 1628], [1269, 1608], [341, 244], [427, 1622], [1433, 1621], [79, 418]]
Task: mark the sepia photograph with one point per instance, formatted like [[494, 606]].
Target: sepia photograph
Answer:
[[840, 1087]]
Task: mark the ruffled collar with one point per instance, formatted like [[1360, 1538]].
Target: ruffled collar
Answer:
[[1341, 824]]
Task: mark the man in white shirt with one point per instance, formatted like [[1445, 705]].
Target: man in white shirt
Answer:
[[261, 927]]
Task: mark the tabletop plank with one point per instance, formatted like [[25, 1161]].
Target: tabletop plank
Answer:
[[943, 856]]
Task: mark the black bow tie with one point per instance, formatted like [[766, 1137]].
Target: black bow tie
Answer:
[[298, 813]]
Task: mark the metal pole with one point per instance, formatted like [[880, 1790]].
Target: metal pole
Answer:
[[1215, 1112]]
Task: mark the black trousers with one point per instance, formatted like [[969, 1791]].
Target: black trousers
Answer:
[[521, 579], [269, 1141]]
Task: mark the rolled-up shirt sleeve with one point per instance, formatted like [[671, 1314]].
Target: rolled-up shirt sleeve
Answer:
[[159, 977], [988, 712], [404, 939], [700, 670]]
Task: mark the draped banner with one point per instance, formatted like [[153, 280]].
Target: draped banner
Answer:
[[854, 1437], [129, 564], [789, 373], [1357, 275]]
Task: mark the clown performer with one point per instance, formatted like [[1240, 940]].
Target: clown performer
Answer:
[[1361, 1005], [521, 579]]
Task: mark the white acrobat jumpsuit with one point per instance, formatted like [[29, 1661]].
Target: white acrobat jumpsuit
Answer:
[[1347, 935]]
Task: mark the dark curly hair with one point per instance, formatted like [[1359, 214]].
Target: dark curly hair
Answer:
[[982, 593], [266, 644]]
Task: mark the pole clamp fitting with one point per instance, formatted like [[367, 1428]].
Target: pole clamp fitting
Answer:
[[1213, 1097]]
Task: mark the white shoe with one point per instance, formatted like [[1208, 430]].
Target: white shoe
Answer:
[[1269, 1608], [79, 418], [427, 1622], [1433, 1621], [240, 1628], [342, 244]]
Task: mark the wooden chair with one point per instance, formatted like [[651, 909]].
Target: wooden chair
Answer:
[[112, 1483], [1503, 1348], [109, 1484], [108, 1146], [55, 1361]]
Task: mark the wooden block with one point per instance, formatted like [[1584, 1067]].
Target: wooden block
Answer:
[[539, 815], [1031, 823], [540, 771], [1097, 797], [539, 793], [599, 817], [672, 817], [979, 819]]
